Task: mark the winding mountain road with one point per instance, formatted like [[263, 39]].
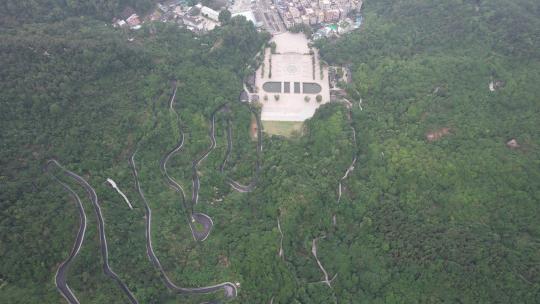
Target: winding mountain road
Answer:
[[61, 272], [101, 229], [228, 287], [177, 188], [229, 146], [204, 220], [235, 184], [195, 176]]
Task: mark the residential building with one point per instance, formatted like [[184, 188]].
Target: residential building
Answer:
[[133, 20]]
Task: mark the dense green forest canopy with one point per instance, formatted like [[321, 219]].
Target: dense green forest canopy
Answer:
[[456, 218], [82, 93], [420, 221], [16, 11]]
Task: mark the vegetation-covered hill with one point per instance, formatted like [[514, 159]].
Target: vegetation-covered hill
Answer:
[[447, 218], [82, 93], [453, 219], [31, 11]]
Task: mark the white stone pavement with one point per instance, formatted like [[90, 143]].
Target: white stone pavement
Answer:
[[293, 63]]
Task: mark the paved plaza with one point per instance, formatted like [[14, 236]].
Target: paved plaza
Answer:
[[292, 75]]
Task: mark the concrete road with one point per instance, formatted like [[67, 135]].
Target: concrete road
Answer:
[[228, 287], [101, 229], [61, 273]]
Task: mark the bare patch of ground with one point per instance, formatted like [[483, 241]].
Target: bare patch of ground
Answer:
[[253, 129], [224, 260], [217, 45], [437, 134], [513, 144]]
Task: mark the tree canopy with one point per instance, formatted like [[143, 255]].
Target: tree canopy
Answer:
[[224, 16], [27, 11], [412, 190]]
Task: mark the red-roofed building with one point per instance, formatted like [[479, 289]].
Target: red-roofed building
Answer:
[[133, 20]]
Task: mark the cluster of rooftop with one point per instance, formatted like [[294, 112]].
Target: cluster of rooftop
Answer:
[[313, 12], [128, 18], [197, 18]]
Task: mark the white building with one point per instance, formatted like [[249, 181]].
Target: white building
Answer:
[[325, 4], [120, 23], [210, 13]]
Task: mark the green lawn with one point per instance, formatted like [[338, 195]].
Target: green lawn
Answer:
[[284, 128]]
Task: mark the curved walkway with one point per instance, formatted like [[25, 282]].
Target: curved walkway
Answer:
[[115, 187], [280, 253], [326, 280], [354, 158], [348, 106]]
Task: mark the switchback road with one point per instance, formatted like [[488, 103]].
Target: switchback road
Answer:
[[101, 229], [61, 273], [228, 287]]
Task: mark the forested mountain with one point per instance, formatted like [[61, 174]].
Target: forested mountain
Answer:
[[29, 11], [438, 208], [84, 94], [453, 219]]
